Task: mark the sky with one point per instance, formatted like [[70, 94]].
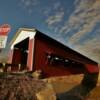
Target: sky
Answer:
[[75, 23]]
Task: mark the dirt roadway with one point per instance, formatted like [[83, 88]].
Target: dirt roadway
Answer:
[[24, 87], [72, 95], [19, 87], [69, 88], [66, 88]]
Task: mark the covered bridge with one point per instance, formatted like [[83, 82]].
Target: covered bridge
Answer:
[[32, 50]]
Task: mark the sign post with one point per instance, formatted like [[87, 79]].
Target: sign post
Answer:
[[4, 30]]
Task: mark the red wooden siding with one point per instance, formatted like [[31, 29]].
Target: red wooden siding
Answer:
[[92, 68], [43, 46]]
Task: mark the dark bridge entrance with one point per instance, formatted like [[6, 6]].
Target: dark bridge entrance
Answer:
[[20, 55]]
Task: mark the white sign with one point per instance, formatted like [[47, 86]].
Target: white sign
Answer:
[[3, 40], [4, 30]]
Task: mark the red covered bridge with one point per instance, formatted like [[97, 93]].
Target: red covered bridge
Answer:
[[33, 50]]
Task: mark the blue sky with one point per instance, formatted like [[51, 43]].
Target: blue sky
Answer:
[[76, 23]]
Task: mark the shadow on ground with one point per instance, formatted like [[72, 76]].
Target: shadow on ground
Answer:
[[81, 91]]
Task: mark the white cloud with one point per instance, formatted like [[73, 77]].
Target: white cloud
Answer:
[[57, 5], [55, 15], [55, 18], [29, 4], [91, 49], [83, 19], [47, 11]]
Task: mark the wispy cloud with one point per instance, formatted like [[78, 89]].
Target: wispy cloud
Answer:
[[91, 49], [29, 4], [55, 18], [83, 19], [57, 5], [54, 15]]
